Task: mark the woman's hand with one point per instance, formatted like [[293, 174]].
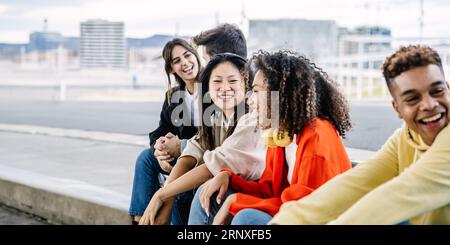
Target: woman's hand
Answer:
[[165, 165], [162, 155], [172, 145], [148, 218], [161, 149], [219, 183], [223, 217]]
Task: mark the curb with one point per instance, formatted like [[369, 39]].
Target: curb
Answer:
[[357, 155], [62, 201]]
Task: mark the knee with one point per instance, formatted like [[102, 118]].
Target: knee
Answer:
[[144, 160], [250, 216], [244, 214]]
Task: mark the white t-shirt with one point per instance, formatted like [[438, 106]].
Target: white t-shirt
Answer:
[[291, 151], [193, 107]]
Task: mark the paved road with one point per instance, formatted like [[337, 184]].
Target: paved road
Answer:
[[131, 118], [10, 216], [373, 122]]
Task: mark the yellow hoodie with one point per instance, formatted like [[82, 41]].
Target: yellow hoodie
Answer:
[[405, 180]]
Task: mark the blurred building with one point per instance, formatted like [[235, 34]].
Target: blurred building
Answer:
[[40, 42], [365, 39], [357, 67], [313, 38], [44, 41], [10, 51], [103, 44]]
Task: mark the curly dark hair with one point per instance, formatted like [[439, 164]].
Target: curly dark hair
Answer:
[[407, 58], [305, 91]]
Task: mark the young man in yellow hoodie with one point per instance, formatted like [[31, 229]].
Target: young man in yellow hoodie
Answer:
[[409, 177]]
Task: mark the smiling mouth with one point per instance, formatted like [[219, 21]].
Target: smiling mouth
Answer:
[[433, 119], [226, 97], [188, 69]]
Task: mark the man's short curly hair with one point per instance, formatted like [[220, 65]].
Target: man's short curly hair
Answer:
[[407, 58]]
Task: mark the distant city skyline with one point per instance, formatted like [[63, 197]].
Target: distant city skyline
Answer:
[[145, 18]]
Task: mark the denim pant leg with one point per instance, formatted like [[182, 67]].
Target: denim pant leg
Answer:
[[250, 216], [181, 207], [145, 182], [405, 223], [198, 216]]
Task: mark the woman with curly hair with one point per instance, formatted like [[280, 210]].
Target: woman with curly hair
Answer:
[[305, 149]]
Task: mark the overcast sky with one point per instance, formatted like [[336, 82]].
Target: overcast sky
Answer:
[[147, 17]]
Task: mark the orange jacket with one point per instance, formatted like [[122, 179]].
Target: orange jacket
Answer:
[[320, 156]]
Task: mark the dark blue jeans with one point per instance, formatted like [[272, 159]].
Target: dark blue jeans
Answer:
[[146, 183]]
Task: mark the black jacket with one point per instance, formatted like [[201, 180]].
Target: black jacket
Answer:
[[172, 118]]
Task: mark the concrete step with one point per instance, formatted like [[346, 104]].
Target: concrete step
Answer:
[[62, 201]]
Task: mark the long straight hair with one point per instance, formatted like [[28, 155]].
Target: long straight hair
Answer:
[[205, 133], [167, 56]]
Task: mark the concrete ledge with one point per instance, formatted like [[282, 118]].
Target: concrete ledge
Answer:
[[62, 201], [357, 155]]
